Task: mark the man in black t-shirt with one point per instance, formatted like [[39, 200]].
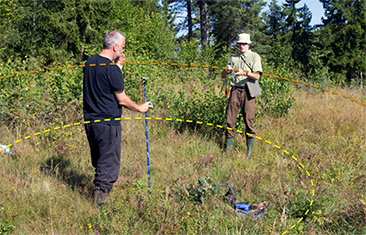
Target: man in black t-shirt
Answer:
[[104, 96]]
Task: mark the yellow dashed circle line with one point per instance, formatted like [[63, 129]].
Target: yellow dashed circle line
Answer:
[[193, 65], [188, 121]]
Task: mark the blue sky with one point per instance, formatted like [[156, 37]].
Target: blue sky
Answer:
[[315, 7]]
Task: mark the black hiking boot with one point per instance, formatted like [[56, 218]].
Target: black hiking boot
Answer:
[[100, 196]]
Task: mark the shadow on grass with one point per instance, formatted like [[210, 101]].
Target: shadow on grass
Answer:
[[63, 169]]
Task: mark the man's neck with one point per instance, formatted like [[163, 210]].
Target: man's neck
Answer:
[[106, 54]]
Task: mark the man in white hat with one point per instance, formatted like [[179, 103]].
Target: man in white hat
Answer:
[[246, 69]]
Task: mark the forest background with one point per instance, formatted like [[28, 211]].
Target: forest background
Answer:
[[52, 171], [60, 31]]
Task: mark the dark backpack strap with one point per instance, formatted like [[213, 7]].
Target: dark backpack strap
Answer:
[[231, 192], [251, 70]]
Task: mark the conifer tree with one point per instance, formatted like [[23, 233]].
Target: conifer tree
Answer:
[[182, 7], [189, 20], [302, 36], [344, 32], [203, 22], [148, 6], [293, 43], [274, 19], [229, 18]]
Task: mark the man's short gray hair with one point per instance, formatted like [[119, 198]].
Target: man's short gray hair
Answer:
[[111, 38]]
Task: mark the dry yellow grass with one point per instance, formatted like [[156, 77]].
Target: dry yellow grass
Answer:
[[45, 185]]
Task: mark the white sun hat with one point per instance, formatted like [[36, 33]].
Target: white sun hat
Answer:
[[244, 38]]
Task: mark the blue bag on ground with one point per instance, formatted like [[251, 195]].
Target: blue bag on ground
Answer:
[[256, 211]]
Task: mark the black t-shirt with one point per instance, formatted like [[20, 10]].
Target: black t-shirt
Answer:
[[101, 80]]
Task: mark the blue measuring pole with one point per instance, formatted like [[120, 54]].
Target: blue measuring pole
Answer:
[[147, 134]]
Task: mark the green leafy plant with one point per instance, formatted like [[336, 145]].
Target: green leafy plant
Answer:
[[6, 226], [199, 191], [277, 94]]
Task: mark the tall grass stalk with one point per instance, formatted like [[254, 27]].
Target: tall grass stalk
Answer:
[[46, 183]]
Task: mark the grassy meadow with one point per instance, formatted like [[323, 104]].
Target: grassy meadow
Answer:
[[46, 183]]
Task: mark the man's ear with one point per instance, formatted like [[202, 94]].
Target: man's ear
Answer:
[[115, 47]]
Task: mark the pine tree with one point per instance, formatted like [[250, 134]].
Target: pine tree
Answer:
[[344, 32], [291, 14], [203, 22], [229, 18], [293, 41], [273, 20], [180, 7], [148, 6], [189, 20], [302, 36]]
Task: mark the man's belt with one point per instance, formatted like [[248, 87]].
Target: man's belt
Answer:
[[241, 87]]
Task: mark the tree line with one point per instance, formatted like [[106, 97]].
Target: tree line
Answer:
[[283, 34], [59, 31]]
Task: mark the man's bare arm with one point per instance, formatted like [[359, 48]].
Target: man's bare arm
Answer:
[[125, 101], [225, 72], [255, 76]]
